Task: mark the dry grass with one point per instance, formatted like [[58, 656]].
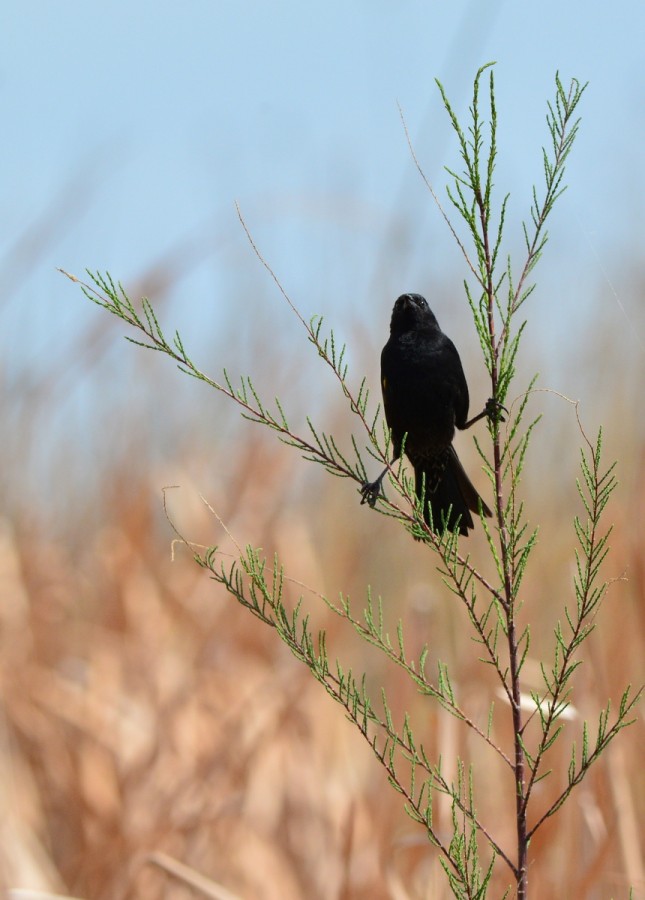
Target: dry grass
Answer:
[[147, 719]]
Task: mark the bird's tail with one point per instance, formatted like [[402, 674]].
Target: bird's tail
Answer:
[[449, 493]]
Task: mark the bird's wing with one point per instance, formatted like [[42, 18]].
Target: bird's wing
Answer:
[[459, 385]]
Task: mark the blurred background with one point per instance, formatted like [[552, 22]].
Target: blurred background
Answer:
[[147, 721]]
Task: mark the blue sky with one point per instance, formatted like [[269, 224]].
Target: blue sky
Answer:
[[132, 128]]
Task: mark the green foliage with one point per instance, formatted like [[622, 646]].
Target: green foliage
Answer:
[[493, 604]]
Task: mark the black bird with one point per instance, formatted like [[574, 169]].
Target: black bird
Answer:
[[425, 397]]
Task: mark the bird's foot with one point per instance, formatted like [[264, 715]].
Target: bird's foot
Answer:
[[371, 491], [493, 410]]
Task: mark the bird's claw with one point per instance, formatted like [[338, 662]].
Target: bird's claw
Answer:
[[494, 409], [370, 492]]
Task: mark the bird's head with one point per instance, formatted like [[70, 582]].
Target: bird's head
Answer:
[[411, 311]]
